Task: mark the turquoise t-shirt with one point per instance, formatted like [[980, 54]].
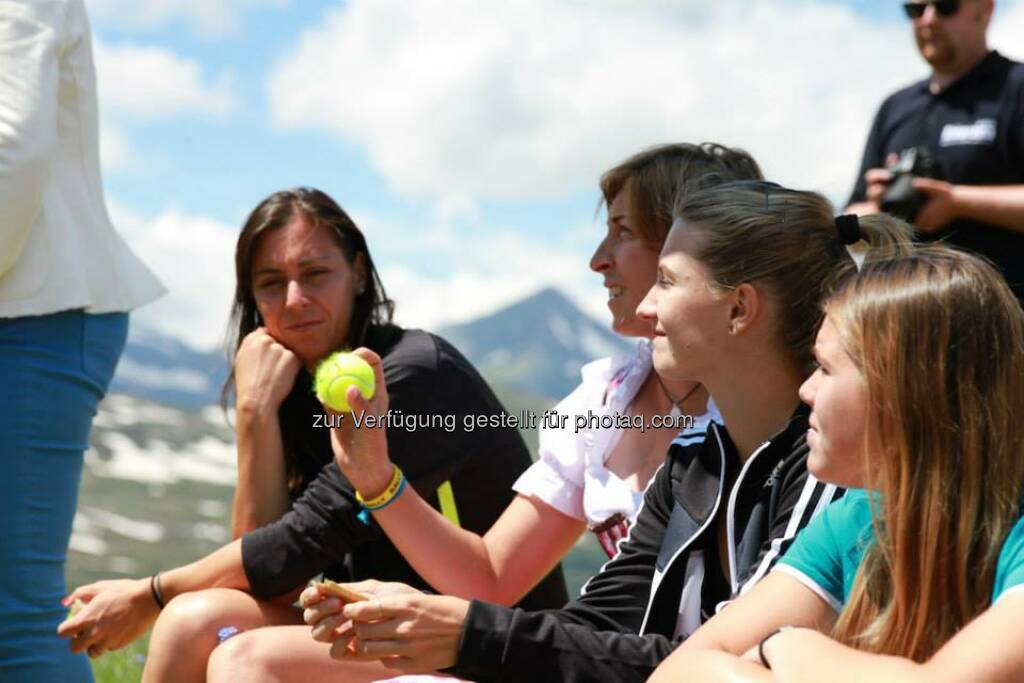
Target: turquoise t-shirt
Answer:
[[826, 554]]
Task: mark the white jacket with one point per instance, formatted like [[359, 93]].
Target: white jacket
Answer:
[[58, 250]]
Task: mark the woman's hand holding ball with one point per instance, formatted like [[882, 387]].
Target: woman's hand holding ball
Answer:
[[336, 374], [361, 452]]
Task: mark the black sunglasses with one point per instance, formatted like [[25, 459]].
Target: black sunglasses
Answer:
[[945, 8]]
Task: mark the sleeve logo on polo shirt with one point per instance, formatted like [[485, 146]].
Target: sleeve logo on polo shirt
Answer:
[[981, 132]]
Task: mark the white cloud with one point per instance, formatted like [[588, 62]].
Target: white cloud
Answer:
[[432, 302], [528, 99], [483, 270], [1007, 29], [210, 18], [194, 257], [146, 82], [465, 100], [139, 83]]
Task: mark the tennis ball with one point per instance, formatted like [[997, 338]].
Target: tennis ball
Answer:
[[336, 373]]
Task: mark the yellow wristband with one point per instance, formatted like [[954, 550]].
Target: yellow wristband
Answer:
[[393, 488]]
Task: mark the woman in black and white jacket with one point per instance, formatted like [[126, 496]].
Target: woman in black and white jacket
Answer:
[[736, 304]]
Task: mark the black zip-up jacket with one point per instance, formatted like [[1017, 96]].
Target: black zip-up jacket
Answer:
[[633, 613]]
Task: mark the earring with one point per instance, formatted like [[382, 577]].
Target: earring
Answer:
[[362, 289]]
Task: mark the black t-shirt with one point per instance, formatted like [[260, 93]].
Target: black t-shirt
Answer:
[[425, 376], [974, 130]]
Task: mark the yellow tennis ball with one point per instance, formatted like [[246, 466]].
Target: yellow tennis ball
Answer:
[[336, 373]]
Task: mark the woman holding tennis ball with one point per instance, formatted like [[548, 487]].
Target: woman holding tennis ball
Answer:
[[307, 286]]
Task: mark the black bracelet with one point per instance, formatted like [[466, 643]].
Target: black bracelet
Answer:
[[154, 588], [760, 646]]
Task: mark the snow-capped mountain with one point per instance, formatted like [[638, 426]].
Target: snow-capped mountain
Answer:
[[537, 345], [160, 368], [156, 489]]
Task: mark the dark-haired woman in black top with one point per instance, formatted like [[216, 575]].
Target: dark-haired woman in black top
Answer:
[[307, 286]]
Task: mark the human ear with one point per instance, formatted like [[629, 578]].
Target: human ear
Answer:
[[746, 303]]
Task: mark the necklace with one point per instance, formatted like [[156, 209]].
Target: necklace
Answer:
[[680, 402]]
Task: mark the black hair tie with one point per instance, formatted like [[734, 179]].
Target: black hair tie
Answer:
[[848, 228], [156, 590]]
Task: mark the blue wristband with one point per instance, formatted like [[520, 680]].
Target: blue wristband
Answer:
[[364, 514], [392, 499]]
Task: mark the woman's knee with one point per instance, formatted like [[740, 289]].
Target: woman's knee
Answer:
[[280, 654], [238, 659], [197, 617]]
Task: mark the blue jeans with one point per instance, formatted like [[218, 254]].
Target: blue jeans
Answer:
[[54, 369]]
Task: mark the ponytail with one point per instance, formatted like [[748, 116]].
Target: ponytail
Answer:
[[786, 241]]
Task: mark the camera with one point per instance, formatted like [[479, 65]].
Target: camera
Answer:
[[901, 199]]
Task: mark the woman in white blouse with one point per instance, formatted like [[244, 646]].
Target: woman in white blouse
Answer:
[[66, 283]]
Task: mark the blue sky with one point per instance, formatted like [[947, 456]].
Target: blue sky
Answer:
[[465, 137]]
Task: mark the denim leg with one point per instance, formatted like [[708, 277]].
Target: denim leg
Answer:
[[54, 369]]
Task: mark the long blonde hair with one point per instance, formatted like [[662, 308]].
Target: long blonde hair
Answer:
[[939, 338]]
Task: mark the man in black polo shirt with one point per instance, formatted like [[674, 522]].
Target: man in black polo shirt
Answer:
[[969, 114]]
